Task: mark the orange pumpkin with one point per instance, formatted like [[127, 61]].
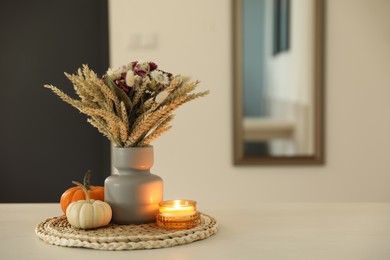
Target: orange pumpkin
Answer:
[[77, 193]]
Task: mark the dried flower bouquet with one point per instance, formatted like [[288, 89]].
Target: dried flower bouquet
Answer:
[[131, 105]]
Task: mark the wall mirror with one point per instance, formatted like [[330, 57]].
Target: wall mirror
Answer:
[[278, 81]]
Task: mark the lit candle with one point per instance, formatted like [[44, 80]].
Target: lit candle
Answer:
[[177, 208], [177, 214]]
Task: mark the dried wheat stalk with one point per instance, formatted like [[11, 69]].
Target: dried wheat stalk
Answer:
[[128, 121]]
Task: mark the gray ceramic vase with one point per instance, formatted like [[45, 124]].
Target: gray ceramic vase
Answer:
[[134, 193]]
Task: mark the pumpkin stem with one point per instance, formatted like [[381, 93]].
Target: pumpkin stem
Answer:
[[84, 189], [86, 182]]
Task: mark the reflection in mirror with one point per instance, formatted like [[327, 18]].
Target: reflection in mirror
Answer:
[[278, 81]]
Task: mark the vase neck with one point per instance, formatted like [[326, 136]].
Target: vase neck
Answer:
[[133, 159]]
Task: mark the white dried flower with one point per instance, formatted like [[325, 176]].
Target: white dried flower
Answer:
[[115, 74], [137, 79], [159, 77], [161, 96], [130, 78], [143, 65], [110, 72], [145, 80]]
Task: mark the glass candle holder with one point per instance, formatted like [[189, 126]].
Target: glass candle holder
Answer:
[[177, 214]]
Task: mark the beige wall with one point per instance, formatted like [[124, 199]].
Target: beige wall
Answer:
[[195, 157]]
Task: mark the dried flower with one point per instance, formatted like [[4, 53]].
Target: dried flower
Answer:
[[161, 96], [130, 78], [131, 105], [141, 68], [114, 74], [152, 66], [160, 77]]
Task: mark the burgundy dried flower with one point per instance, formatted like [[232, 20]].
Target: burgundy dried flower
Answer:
[[122, 86], [152, 66], [139, 72], [134, 63]]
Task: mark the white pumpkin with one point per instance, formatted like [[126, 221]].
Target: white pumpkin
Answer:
[[87, 214]]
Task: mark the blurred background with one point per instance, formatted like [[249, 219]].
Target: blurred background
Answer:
[[45, 143]]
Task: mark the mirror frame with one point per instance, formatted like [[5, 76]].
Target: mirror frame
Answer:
[[318, 82]]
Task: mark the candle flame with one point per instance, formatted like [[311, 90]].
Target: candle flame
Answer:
[[177, 204]]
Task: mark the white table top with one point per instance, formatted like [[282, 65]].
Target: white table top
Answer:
[[266, 231]]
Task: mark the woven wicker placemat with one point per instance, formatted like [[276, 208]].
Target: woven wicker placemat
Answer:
[[57, 231]]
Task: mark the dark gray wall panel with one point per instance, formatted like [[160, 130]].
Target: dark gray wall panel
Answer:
[[45, 143]]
